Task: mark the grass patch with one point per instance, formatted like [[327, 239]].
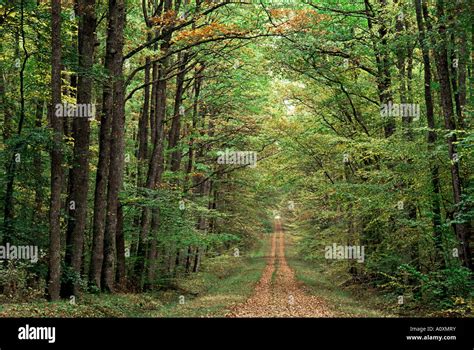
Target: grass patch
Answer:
[[345, 302], [224, 282]]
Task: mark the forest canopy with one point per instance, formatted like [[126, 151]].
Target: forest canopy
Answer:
[[142, 140]]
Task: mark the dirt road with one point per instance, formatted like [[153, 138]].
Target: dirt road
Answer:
[[278, 294]]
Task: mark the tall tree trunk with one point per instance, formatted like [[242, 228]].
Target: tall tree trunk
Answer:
[[197, 89], [54, 270], [434, 168], [79, 174], [102, 175], [155, 168], [174, 131], [143, 127], [441, 56], [117, 145]]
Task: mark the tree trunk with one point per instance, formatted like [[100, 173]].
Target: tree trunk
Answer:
[[434, 168], [120, 242], [176, 122], [102, 175], [152, 251], [441, 56], [117, 145], [155, 167], [79, 174], [54, 266], [197, 89], [143, 127]]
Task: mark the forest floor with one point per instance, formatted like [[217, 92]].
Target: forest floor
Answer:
[[271, 281]]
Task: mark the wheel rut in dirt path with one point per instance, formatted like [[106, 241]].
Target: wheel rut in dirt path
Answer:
[[278, 293]]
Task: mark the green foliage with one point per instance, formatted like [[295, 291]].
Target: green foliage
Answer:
[[18, 283], [440, 289], [304, 93]]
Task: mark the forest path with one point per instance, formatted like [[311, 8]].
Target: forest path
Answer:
[[278, 293]]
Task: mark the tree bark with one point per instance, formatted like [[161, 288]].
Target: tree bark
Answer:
[[79, 174], [143, 127], [431, 137], [175, 128], [117, 145], [441, 56], [100, 198], [120, 242], [155, 168], [54, 265]]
